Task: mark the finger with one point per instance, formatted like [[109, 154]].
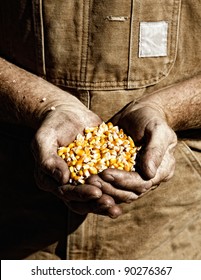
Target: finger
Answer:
[[56, 167], [80, 193], [50, 163], [166, 170], [66, 192], [159, 138], [129, 181], [110, 186], [103, 206]]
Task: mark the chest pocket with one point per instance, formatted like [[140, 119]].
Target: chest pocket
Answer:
[[153, 41], [108, 44]]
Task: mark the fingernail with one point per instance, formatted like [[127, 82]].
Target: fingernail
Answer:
[[132, 197], [98, 184], [97, 194], [108, 177]]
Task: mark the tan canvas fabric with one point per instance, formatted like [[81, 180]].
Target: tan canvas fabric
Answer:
[[76, 44], [84, 45], [165, 224]]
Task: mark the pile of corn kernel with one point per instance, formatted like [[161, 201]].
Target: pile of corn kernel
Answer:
[[101, 147]]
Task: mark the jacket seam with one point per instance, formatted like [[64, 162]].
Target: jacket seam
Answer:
[[42, 38], [39, 37], [85, 39], [130, 42], [191, 157]]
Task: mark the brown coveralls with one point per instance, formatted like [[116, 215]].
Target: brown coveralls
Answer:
[[100, 51]]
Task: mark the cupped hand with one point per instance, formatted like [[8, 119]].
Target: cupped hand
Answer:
[[60, 127], [147, 125]]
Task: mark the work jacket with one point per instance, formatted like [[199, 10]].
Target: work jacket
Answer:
[[103, 44], [106, 53]]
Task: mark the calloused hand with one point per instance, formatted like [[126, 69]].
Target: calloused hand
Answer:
[[59, 128], [147, 125]]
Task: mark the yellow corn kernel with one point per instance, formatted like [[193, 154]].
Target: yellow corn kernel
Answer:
[[71, 153], [113, 161], [110, 125], [120, 168], [120, 164], [61, 151], [101, 147], [86, 173], [87, 150], [107, 163], [104, 151], [79, 152], [128, 166], [81, 181], [77, 178], [71, 145], [73, 175], [78, 165], [96, 156], [127, 155], [94, 131], [132, 144], [93, 170], [116, 165], [81, 173], [85, 166], [71, 168], [86, 159], [89, 129], [132, 151], [72, 162], [92, 141]]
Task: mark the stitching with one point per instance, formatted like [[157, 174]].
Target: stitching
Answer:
[[39, 37], [82, 49], [111, 82], [143, 26], [130, 44], [191, 156], [42, 36], [117, 18], [87, 41]]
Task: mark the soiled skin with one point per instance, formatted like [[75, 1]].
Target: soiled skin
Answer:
[[151, 121]]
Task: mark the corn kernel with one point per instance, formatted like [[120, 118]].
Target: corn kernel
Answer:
[[110, 125], [93, 170], [71, 145], [101, 147], [80, 152]]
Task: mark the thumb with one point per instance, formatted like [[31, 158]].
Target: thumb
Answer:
[[158, 138], [45, 154]]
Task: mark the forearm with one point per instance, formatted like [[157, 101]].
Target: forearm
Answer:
[[26, 98], [180, 103]]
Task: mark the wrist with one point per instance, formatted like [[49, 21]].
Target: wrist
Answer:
[[26, 99], [148, 104]]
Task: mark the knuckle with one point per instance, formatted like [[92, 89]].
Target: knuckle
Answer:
[[106, 200], [144, 186], [131, 197], [170, 174], [48, 164]]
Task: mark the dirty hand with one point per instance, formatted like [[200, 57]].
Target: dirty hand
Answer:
[[60, 127], [148, 127]]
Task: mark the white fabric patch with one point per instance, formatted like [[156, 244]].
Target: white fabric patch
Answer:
[[153, 39]]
